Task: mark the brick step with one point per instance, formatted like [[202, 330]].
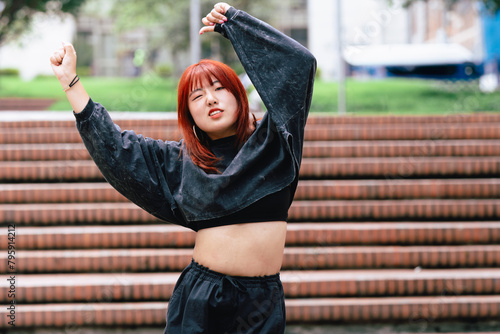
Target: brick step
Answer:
[[43, 152], [401, 148], [400, 167], [312, 149], [295, 258], [402, 131], [312, 311], [451, 120], [126, 120], [390, 168], [298, 234], [377, 210], [90, 315], [44, 171], [22, 104], [17, 193], [317, 132], [129, 120], [397, 189], [126, 287], [71, 135], [393, 309], [307, 190], [395, 210]]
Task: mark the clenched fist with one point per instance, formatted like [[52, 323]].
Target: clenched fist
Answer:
[[63, 62]]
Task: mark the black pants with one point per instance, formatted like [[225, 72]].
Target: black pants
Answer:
[[205, 301]]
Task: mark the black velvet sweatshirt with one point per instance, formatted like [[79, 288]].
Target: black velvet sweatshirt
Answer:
[[160, 177]]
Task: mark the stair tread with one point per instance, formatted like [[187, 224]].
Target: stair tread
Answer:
[[313, 132], [300, 233], [119, 213], [119, 205], [307, 190], [347, 148], [298, 310], [89, 279], [53, 118], [72, 254], [319, 257], [391, 167]]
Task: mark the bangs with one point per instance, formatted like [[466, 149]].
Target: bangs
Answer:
[[207, 72]]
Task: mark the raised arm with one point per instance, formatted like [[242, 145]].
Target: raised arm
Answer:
[[63, 62], [137, 167], [281, 69]]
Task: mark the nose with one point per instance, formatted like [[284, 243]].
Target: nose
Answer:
[[211, 98]]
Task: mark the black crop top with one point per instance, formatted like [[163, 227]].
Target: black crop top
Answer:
[[273, 207]]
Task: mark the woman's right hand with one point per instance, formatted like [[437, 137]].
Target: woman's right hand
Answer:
[[63, 63], [216, 15]]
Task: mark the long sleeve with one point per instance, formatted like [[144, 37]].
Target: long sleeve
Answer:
[[133, 165], [281, 69]]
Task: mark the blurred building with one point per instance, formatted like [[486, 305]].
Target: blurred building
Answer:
[[106, 52], [364, 24], [432, 22], [292, 19], [384, 39], [427, 40]]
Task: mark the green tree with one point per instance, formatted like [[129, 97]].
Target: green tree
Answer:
[[167, 23], [16, 15], [492, 6]]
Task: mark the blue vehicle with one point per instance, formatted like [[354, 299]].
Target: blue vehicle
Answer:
[[425, 61]]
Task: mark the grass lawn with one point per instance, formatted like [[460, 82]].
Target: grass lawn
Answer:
[[391, 96], [405, 96], [117, 94]]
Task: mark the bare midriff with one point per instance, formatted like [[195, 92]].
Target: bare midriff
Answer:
[[251, 249]]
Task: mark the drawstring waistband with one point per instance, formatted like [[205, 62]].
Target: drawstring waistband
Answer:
[[239, 282]]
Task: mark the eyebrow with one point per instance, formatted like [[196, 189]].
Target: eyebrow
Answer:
[[198, 89], [194, 91]]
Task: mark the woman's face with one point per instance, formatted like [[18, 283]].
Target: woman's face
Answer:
[[214, 109]]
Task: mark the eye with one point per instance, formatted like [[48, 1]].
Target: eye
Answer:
[[220, 87], [196, 97]]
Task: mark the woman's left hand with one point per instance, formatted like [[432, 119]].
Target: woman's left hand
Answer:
[[215, 16]]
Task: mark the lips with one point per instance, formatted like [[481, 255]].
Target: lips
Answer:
[[215, 111]]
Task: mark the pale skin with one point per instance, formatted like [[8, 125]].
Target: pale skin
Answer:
[[214, 109], [252, 249]]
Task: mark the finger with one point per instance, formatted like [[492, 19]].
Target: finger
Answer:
[[54, 61], [57, 57], [69, 48], [69, 51], [206, 29], [60, 53], [218, 14], [215, 18], [207, 22], [221, 7]]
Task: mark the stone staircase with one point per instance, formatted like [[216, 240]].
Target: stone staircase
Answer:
[[396, 221]]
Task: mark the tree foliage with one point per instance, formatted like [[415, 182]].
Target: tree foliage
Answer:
[[491, 6], [167, 22], [16, 15]]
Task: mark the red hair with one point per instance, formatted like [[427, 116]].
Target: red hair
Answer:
[[192, 77]]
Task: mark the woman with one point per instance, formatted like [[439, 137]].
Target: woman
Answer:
[[231, 179]]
